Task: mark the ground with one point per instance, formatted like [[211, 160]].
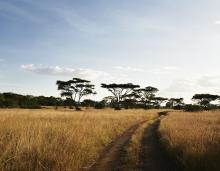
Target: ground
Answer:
[[109, 140]]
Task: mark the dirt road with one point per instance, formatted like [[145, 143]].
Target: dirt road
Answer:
[[151, 157], [111, 157]]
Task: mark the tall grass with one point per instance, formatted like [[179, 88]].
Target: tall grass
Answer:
[[59, 140], [193, 139]]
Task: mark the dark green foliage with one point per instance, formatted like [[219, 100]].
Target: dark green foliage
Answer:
[[147, 95], [89, 103], [175, 103], [128, 96], [120, 92], [99, 105], [12, 100], [205, 99], [75, 89], [193, 108], [158, 101]]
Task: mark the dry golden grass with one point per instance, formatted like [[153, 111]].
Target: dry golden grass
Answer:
[[193, 139], [59, 140]]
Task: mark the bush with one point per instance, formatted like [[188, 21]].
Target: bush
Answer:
[[117, 108], [178, 107], [71, 107], [99, 106], [31, 107], [193, 108]]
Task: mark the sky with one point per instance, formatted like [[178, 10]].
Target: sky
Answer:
[[173, 45]]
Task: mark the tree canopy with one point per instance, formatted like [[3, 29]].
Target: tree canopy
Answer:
[[205, 99], [120, 91], [147, 94], [75, 89]]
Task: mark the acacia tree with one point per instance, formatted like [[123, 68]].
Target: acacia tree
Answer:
[[205, 99], [131, 100], [120, 91], [75, 89], [159, 100], [175, 102], [109, 100], [147, 94]]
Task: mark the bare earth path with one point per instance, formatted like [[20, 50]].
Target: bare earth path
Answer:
[[110, 158], [151, 157]]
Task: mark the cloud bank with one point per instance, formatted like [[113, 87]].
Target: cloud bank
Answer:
[[217, 22], [60, 71], [165, 70], [128, 68]]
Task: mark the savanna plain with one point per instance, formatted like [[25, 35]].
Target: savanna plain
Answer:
[[64, 139]]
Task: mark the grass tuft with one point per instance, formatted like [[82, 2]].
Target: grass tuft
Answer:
[[61, 139], [193, 139]]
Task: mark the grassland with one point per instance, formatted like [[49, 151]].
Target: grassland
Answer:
[[50, 139], [193, 139]]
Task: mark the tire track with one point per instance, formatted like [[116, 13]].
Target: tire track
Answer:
[[110, 158], [151, 157]]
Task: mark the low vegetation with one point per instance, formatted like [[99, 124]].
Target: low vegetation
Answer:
[[193, 139], [46, 139]]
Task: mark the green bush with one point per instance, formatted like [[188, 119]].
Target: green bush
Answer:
[[193, 108]]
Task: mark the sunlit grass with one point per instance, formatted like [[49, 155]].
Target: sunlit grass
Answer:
[[50, 139], [193, 139]]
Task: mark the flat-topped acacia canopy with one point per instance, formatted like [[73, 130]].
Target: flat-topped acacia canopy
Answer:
[[210, 97], [120, 91], [75, 88], [123, 86]]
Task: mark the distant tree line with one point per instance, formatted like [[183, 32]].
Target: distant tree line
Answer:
[[12, 100], [203, 102], [125, 96]]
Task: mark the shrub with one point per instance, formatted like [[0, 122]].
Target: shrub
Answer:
[[178, 107], [31, 107], [117, 108], [99, 106], [193, 108]]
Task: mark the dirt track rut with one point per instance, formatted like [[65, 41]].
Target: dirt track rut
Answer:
[[151, 157], [109, 160]]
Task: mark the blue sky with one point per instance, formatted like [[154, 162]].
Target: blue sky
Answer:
[[172, 44]]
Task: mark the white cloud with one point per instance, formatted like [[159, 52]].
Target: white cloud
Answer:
[[187, 87], [217, 22], [202, 84], [166, 70], [182, 85], [128, 68], [209, 81], [57, 70]]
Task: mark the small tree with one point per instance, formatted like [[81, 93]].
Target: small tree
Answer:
[[176, 103], [75, 89], [89, 103], [159, 100], [131, 100], [147, 94], [109, 101], [1, 101], [120, 91], [205, 99]]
